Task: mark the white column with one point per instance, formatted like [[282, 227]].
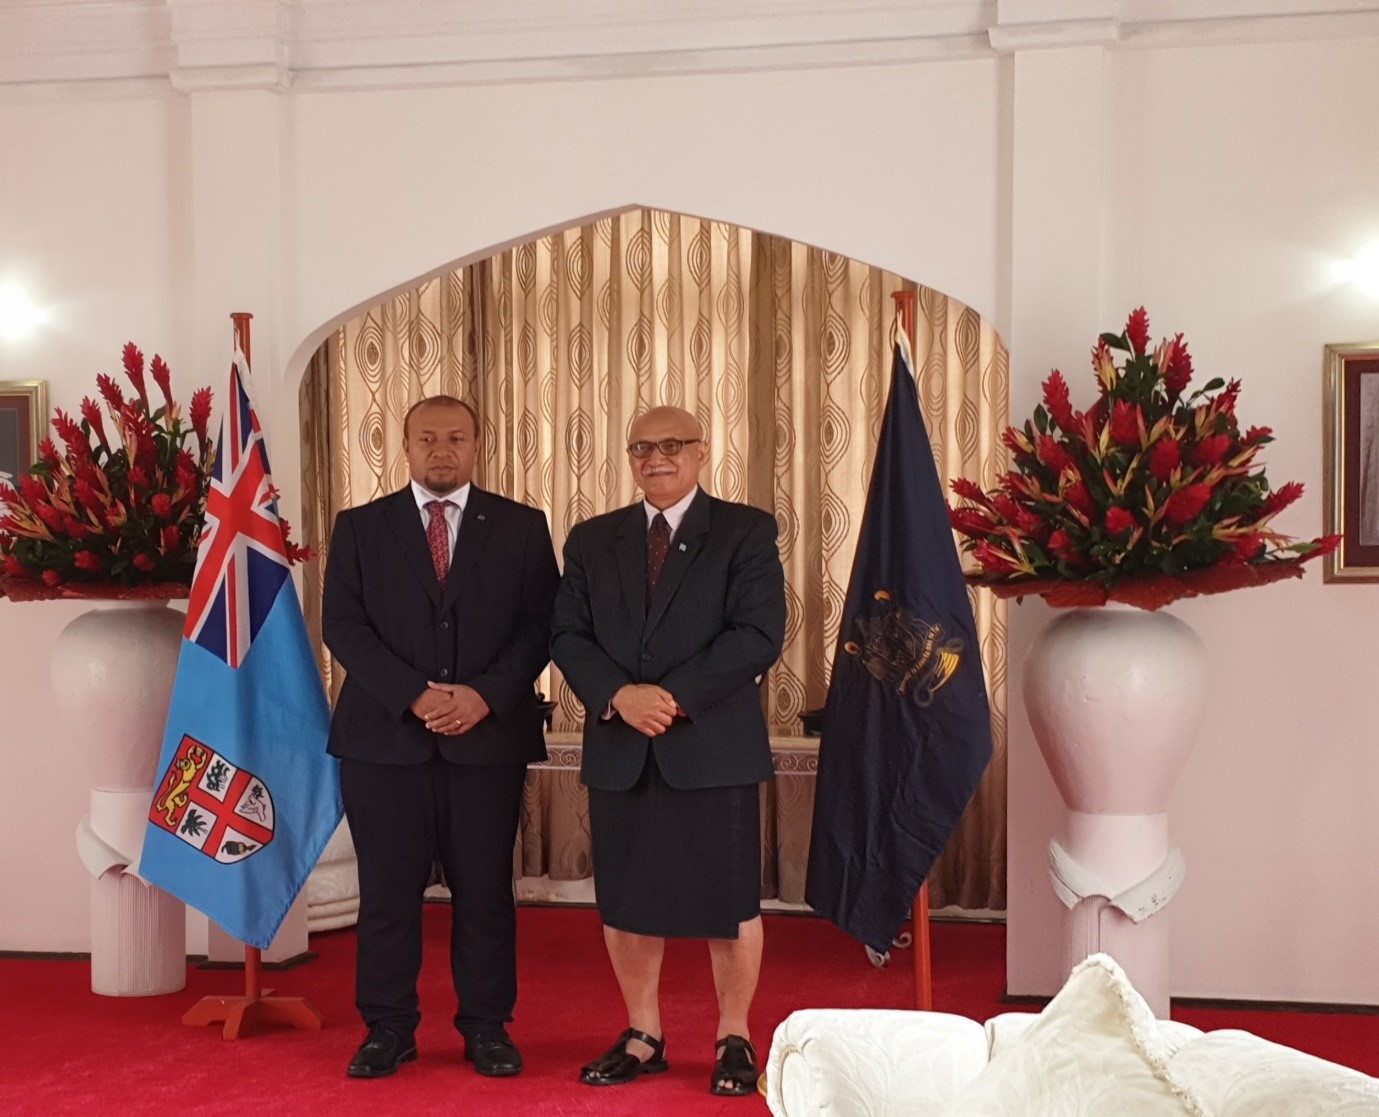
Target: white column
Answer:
[[237, 128], [1057, 154]]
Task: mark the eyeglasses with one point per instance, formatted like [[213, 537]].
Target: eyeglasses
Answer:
[[668, 446]]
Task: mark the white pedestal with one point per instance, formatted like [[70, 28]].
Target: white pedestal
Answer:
[[1115, 697], [112, 671]]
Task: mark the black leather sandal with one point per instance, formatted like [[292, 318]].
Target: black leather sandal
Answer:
[[617, 1065], [736, 1065]]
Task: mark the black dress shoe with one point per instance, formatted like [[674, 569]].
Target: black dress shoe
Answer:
[[382, 1053], [618, 1066], [493, 1053]]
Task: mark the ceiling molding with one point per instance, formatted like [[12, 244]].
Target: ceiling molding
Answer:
[[334, 44]]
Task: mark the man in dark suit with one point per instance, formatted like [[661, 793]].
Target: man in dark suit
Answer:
[[669, 614], [437, 603]]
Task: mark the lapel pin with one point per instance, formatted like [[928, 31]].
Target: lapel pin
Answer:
[[682, 546], [481, 517]]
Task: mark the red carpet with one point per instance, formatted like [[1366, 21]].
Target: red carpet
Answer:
[[67, 1051]]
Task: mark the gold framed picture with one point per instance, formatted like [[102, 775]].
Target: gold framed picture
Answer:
[[1352, 461], [23, 423]]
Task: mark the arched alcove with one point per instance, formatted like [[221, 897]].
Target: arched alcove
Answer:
[[782, 350]]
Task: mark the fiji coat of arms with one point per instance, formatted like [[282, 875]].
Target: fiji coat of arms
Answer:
[[222, 810]]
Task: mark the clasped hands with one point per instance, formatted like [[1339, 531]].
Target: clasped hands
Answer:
[[648, 708], [450, 708]]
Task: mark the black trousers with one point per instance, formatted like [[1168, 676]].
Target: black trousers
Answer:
[[403, 817]]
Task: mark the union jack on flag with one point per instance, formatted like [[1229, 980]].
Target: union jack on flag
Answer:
[[241, 562]]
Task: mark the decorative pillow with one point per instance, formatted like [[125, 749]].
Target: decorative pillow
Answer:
[[1092, 1052], [1242, 1075]]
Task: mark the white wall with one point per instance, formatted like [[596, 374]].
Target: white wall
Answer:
[[299, 208], [1233, 180], [1053, 191]]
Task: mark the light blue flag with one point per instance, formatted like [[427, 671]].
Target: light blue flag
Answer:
[[246, 796]]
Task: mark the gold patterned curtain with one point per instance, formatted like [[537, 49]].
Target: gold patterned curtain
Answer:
[[781, 350]]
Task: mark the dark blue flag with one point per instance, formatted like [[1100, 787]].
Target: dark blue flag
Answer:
[[907, 729]]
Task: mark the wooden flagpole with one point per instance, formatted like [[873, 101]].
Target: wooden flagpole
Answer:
[[256, 1008], [919, 914]]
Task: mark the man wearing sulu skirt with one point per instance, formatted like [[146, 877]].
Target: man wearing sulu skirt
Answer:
[[668, 615]]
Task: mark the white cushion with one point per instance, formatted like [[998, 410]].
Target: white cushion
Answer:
[[1093, 1051], [1236, 1074], [871, 1062]]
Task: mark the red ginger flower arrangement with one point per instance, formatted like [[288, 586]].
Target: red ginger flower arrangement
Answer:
[[1148, 496], [118, 504]]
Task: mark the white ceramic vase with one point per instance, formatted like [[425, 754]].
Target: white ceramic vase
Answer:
[[112, 672], [1116, 696]]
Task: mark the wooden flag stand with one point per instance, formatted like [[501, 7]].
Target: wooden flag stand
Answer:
[[919, 914], [256, 1008]]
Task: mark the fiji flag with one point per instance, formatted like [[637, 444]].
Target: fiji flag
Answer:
[[246, 796], [907, 730]]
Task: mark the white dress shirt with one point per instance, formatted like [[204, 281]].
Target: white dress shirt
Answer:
[[454, 508], [674, 514]]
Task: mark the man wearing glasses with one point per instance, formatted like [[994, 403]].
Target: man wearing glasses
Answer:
[[668, 615]]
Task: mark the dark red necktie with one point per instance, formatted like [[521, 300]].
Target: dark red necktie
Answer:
[[438, 535], [657, 547]]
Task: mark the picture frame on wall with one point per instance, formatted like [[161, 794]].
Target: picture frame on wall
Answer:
[[1351, 477], [23, 423]]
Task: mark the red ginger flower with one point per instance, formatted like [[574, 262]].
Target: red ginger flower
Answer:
[[995, 560], [1246, 548], [1212, 451], [201, 412], [1118, 520], [1052, 453], [144, 563], [968, 490], [16, 569], [47, 451], [161, 504], [1125, 423], [110, 392], [1137, 330], [1164, 458], [969, 521], [91, 412], [1225, 402], [1179, 370], [88, 560], [162, 376], [133, 359], [1186, 504], [51, 578], [1280, 499], [170, 538], [1057, 401], [1060, 544]]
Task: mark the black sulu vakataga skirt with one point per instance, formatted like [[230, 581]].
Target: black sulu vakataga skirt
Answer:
[[676, 863]]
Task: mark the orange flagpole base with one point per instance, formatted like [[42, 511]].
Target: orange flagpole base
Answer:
[[256, 1009], [243, 1015], [924, 975]]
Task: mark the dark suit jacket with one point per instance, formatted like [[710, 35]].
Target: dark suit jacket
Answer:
[[717, 622], [393, 627]]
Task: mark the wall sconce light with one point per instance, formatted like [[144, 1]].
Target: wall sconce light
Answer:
[[18, 316], [1363, 271]]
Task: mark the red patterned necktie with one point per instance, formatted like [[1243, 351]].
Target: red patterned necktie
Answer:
[[438, 535], [657, 547]]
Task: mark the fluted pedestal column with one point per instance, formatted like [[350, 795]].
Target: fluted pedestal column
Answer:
[[1116, 696], [112, 672]]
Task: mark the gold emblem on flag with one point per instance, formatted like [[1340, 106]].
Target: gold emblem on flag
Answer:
[[916, 656]]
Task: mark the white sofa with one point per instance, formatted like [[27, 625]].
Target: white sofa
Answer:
[[1095, 1049]]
